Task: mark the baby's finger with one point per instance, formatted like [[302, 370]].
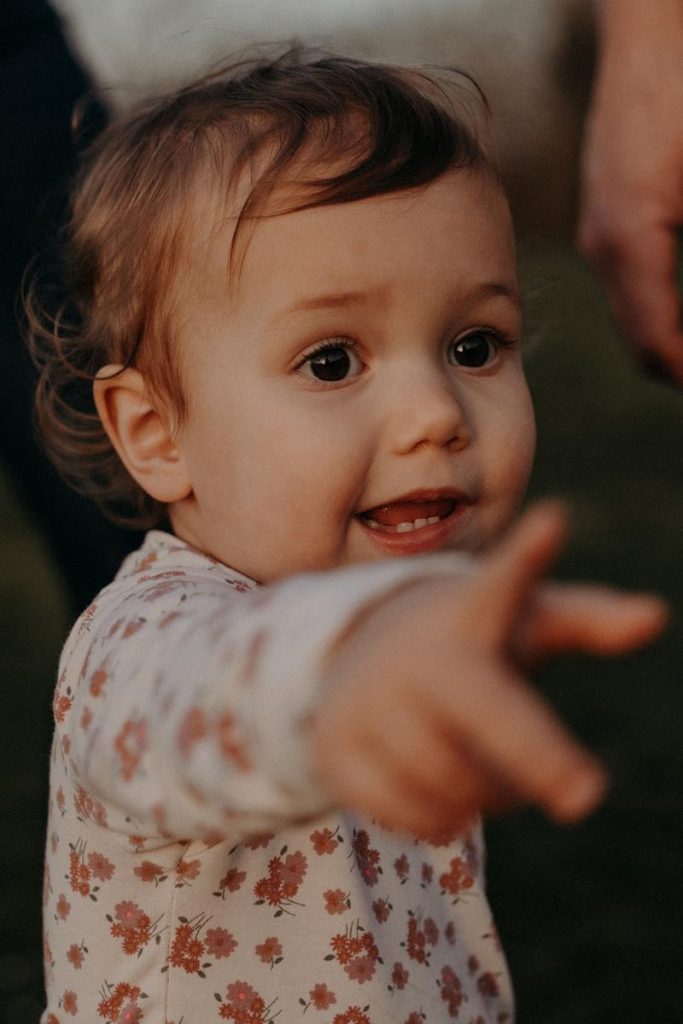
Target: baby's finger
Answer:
[[595, 620], [511, 572], [433, 771], [523, 743]]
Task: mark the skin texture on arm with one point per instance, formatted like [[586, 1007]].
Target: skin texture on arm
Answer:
[[632, 203]]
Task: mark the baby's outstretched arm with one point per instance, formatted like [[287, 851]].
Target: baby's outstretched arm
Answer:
[[429, 717]]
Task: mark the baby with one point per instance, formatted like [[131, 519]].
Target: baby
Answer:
[[294, 287]]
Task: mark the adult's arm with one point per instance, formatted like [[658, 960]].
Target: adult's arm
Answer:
[[632, 204]]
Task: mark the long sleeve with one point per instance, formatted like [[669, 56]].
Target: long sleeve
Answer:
[[185, 689]]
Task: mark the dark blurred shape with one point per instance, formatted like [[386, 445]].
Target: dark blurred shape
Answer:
[[41, 86]]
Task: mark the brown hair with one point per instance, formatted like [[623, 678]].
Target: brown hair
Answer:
[[381, 128]]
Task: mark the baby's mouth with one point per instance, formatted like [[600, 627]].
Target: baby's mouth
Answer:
[[406, 516]]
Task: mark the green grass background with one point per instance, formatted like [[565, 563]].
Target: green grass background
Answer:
[[590, 916]]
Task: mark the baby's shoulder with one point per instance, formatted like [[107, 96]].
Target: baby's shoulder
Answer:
[[163, 586]]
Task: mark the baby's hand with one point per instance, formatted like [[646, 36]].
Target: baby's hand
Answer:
[[429, 718]]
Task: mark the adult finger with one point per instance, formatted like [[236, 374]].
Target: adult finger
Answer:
[[591, 619], [638, 271]]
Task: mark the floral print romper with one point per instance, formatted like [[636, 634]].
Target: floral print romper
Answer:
[[196, 870]]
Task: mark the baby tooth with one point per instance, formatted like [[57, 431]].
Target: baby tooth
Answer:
[[405, 527], [432, 520], [419, 523]]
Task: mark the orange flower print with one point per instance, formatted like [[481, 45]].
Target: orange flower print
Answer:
[[229, 744], [119, 1004], [487, 985], [69, 1002], [269, 951], [130, 744], [426, 874], [76, 955], [417, 1018], [402, 867], [256, 842], [79, 872], [86, 718], [451, 990], [321, 997], [148, 871], [399, 976], [357, 953], [131, 924], [458, 879], [367, 858], [51, 1019], [244, 1005], [61, 704], [63, 907], [186, 871], [449, 932], [193, 729], [473, 964], [354, 1015], [283, 881], [336, 901], [61, 800], [219, 943], [132, 627], [325, 841], [230, 882], [382, 908], [420, 936], [187, 950], [97, 681]]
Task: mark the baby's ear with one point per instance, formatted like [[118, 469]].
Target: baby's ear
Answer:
[[138, 426]]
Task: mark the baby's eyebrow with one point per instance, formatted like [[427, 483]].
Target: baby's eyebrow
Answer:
[[338, 300]]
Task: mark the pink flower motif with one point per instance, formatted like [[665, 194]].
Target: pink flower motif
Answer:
[[321, 997], [360, 969], [324, 842], [427, 873], [219, 943], [61, 799], [258, 841], [233, 880], [188, 869], [148, 871], [402, 866], [75, 956], [63, 907], [100, 866], [431, 931], [70, 1002], [294, 869], [335, 901], [129, 914], [414, 1018], [243, 996], [399, 975], [268, 950], [382, 909], [130, 1014]]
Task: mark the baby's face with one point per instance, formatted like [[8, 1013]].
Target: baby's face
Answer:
[[359, 394]]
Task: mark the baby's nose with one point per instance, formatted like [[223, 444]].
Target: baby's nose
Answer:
[[427, 410]]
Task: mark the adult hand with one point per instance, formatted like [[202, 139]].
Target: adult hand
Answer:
[[632, 204]]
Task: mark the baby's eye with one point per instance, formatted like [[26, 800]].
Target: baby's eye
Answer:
[[475, 350], [332, 362]]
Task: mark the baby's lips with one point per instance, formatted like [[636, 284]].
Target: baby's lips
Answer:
[[409, 511]]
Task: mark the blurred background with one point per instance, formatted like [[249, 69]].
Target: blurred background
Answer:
[[590, 916]]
